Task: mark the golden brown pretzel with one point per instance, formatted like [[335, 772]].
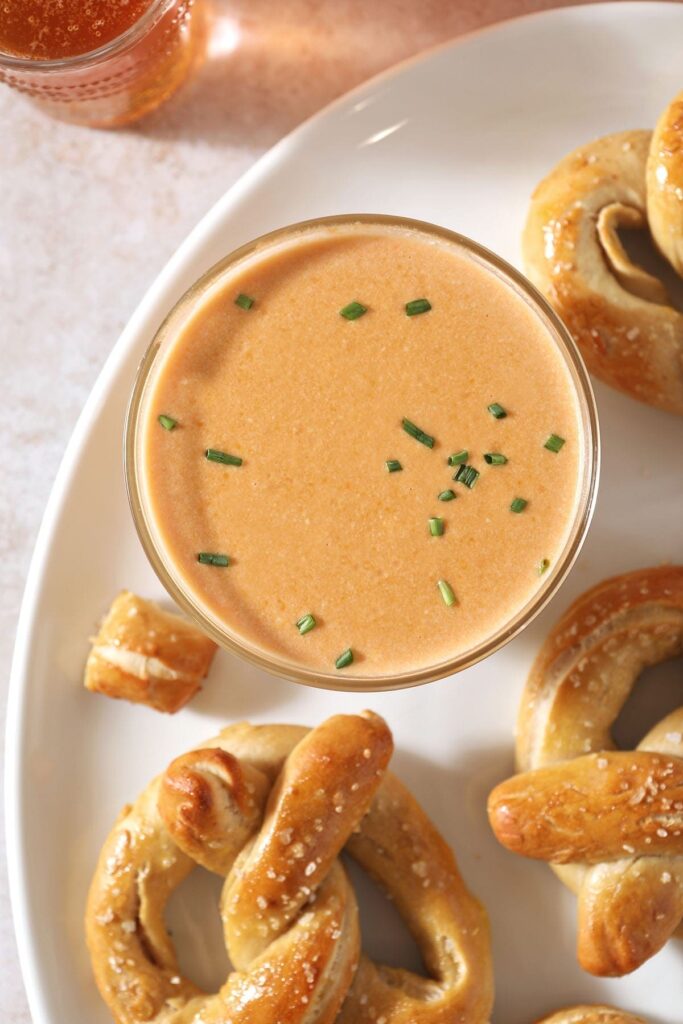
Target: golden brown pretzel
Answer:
[[665, 184], [146, 655], [591, 1015], [271, 807], [610, 823], [620, 316]]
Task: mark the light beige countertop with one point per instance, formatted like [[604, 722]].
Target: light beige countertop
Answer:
[[88, 218]]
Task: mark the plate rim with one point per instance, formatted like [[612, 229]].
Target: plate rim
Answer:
[[36, 996]]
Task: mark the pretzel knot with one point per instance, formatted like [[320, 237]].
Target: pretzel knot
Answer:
[[609, 822], [270, 808], [628, 329]]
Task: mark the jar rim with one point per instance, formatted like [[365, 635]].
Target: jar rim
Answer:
[[114, 46]]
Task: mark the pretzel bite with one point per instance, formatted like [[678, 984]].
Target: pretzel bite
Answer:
[[148, 656]]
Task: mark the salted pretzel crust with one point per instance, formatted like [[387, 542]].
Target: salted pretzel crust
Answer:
[[609, 822], [665, 184], [628, 331], [270, 808], [147, 655], [591, 1015]]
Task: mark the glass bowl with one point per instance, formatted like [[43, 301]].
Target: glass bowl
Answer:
[[273, 663]]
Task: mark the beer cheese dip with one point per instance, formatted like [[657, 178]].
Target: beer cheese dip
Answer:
[[361, 450]]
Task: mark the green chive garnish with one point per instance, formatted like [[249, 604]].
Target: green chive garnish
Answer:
[[353, 310], [167, 422], [244, 301], [518, 504], [208, 558], [418, 434], [344, 659], [214, 455], [435, 526], [446, 591], [497, 411], [554, 443], [417, 306], [305, 624], [447, 495], [495, 459], [393, 466], [543, 565], [457, 458], [466, 475]]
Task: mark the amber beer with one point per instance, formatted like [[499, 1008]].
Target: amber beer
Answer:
[[99, 62]]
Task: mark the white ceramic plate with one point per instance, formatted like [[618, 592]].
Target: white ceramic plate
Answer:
[[459, 137]]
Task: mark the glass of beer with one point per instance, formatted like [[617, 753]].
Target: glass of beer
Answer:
[[101, 63]]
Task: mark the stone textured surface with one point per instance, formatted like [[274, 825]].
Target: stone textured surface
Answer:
[[88, 218]]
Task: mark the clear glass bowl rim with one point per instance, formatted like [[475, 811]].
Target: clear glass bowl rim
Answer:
[[345, 681]]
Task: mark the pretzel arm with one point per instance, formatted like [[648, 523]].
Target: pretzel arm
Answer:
[[627, 911], [326, 786], [593, 808], [400, 847]]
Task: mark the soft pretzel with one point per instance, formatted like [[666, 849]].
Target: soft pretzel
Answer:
[[610, 823], [146, 655], [620, 316], [665, 184], [591, 1015], [270, 808]]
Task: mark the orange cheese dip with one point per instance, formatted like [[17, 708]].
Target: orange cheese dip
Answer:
[[313, 403]]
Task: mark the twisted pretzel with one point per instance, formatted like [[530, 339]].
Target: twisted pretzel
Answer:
[[270, 808], [609, 822], [620, 316], [591, 1015]]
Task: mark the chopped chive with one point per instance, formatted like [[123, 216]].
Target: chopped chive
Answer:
[[495, 459], [305, 624], [418, 434], [435, 526], [393, 466], [214, 455], [244, 301], [447, 495], [457, 458], [518, 504], [543, 565], [466, 475], [554, 443], [167, 422], [353, 310], [344, 659], [416, 306], [208, 558], [497, 411], [446, 591]]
